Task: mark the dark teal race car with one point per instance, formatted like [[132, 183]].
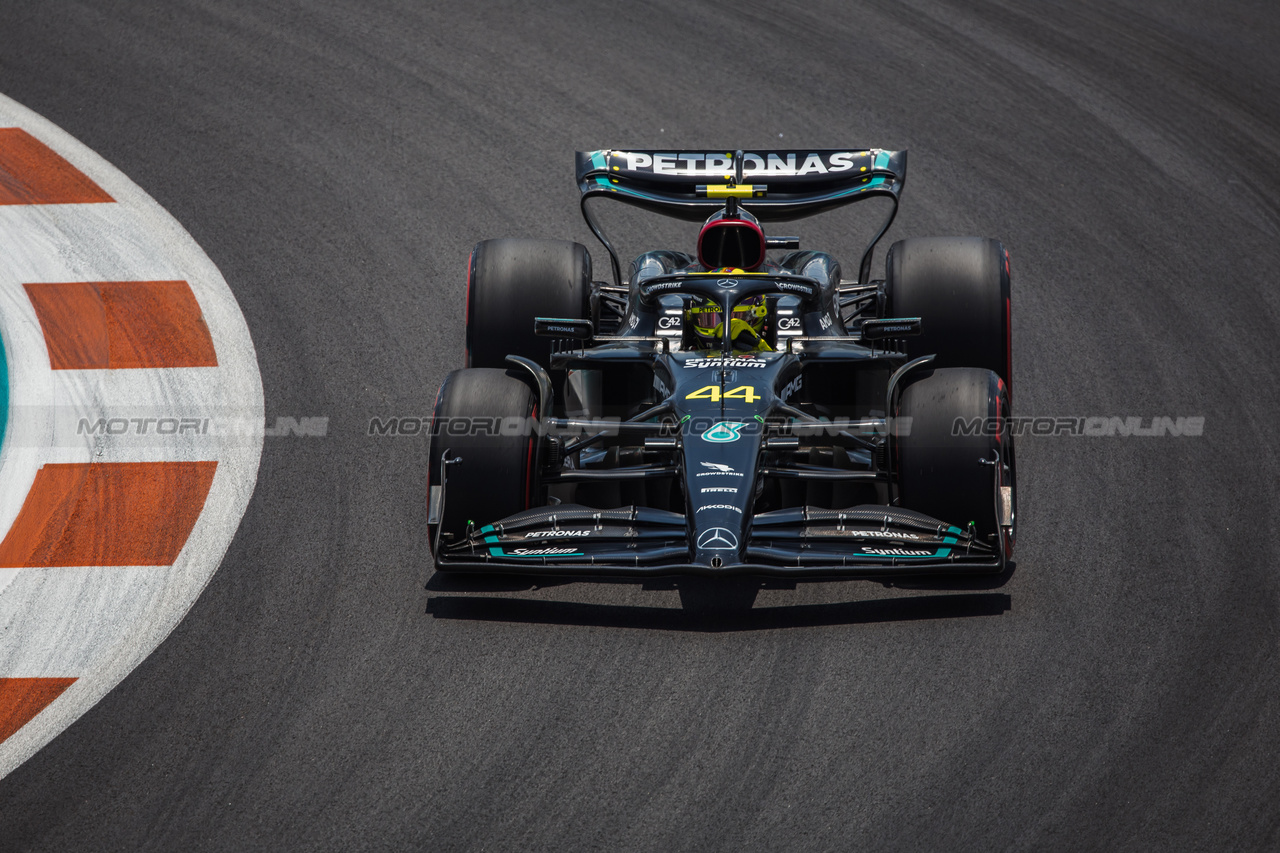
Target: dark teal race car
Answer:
[[738, 410]]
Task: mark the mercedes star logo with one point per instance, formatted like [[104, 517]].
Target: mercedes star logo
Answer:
[[718, 539]]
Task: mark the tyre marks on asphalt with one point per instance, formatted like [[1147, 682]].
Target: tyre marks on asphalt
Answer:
[[111, 315]]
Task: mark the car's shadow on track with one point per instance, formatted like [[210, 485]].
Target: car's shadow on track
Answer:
[[710, 605]]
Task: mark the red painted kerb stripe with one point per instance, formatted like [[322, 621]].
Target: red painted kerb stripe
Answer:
[[107, 514], [22, 698], [101, 325], [33, 173]]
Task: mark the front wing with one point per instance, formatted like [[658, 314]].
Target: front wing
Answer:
[[869, 541]]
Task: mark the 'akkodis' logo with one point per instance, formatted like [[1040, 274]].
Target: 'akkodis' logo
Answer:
[[723, 433]]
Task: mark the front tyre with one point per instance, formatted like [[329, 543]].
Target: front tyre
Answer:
[[953, 451], [484, 419]]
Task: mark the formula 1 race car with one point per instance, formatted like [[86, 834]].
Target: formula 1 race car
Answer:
[[739, 411]]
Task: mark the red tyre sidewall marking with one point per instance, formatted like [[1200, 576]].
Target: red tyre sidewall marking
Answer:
[[1006, 538], [1008, 330], [466, 345]]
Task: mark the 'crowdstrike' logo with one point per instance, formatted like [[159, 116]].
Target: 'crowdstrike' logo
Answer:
[[718, 469], [718, 539]]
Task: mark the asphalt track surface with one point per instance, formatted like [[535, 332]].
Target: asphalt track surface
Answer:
[[337, 161]]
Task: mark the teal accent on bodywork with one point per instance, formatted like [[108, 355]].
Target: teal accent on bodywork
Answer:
[[494, 551], [950, 540], [492, 540], [724, 432], [942, 552], [598, 162], [604, 182]]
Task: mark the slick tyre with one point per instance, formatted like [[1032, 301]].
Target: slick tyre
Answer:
[[509, 283], [959, 287], [483, 419], [953, 450]]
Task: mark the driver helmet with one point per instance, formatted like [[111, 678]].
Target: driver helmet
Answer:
[[746, 322]]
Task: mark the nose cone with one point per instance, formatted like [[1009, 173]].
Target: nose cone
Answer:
[[720, 462]]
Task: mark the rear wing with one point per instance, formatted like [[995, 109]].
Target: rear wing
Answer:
[[775, 186]]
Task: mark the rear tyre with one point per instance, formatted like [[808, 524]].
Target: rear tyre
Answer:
[[958, 427], [484, 418], [959, 287], [509, 283]]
